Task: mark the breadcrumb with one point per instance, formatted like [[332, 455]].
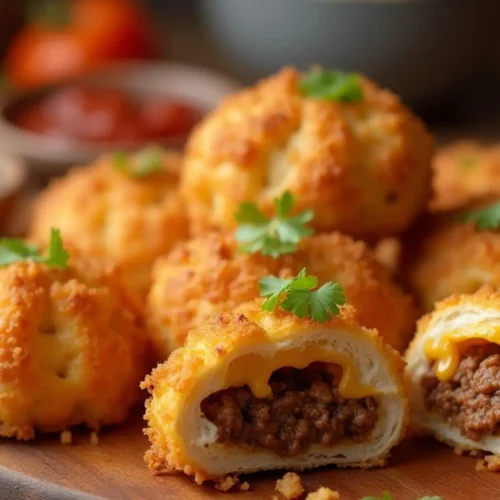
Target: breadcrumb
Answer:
[[66, 437], [323, 494], [244, 486], [94, 438], [490, 463], [227, 483], [290, 486]]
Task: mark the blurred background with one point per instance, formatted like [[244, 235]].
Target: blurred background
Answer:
[[85, 76]]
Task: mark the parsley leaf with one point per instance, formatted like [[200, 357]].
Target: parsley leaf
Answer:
[[15, 250], [299, 297], [57, 256], [484, 218], [385, 496], [272, 236], [146, 161], [329, 85]]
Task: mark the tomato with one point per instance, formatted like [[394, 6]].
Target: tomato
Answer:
[[92, 33]]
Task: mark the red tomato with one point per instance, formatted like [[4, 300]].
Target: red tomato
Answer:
[[94, 32]]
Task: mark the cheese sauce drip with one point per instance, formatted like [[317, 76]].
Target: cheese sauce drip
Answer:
[[446, 349], [255, 370]]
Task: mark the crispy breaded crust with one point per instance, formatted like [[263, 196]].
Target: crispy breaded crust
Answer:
[[208, 275], [364, 168], [72, 348], [464, 172], [206, 348], [455, 258], [108, 214]]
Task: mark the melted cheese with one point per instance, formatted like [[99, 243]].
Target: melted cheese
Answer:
[[446, 348], [255, 370]]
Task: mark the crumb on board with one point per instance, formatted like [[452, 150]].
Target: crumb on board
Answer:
[[323, 494], [490, 463], [66, 437], [290, 486], [244, 486], [227, 483], [94, 438]]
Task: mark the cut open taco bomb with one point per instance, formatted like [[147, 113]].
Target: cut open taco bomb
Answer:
[[453, 365], [254, 391]]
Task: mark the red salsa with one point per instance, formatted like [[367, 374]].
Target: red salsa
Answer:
[[101, 115]]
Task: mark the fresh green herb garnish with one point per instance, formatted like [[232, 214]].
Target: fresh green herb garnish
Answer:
[[147, 161], [385, 496], [272, 236], [330, 85], [15, 250], [484, 218], [299, 298]]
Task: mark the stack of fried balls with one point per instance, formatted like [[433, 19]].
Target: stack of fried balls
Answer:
[[158, 242]]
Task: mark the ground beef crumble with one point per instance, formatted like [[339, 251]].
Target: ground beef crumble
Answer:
[[305, 407], [470, 400]]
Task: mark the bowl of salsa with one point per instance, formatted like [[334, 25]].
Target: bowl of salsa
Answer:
[[121, 108]]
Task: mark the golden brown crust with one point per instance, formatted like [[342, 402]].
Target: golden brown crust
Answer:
[[72, 348], [108, 214], [209, 346], [463, 172], [208, 275], [455, 258], [364, 168], [323, 494]]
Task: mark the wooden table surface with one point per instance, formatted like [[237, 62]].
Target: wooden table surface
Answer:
[[114, 470]]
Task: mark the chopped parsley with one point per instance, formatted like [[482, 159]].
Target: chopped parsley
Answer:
[[297, 295], [327, 85], [15, 250], [484, 218], [273, 236]]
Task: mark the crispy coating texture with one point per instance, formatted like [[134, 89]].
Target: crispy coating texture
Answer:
[[364, 168], [290, 486], [208, 275], [456, 258], [72, 348], [207, 347], [464, 172], [111, 215]]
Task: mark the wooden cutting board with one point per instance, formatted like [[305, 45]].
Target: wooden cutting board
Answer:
[[114, 470]]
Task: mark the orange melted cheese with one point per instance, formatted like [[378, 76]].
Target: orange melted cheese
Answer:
[[255, 370], [446, 349]]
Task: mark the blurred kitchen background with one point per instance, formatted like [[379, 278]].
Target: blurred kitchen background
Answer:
[[442, 56]]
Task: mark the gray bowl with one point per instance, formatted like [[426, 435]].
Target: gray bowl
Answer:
[[422, 49]]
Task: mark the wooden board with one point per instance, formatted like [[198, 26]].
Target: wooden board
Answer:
[[115, 470]]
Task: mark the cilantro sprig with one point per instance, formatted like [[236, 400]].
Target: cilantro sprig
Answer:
[[15, 250], [484, 218], [273, 236], [297, 295], [145, 162], [328, 85]]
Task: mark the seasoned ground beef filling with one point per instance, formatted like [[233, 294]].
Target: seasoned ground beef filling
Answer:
[[470, 400], [305, 408]]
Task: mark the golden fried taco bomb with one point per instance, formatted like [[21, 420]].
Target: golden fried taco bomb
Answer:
[[256, 390], [453, 365], [121, 208], [341, 145], [210, 274], [456, 257], [72, 343]]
